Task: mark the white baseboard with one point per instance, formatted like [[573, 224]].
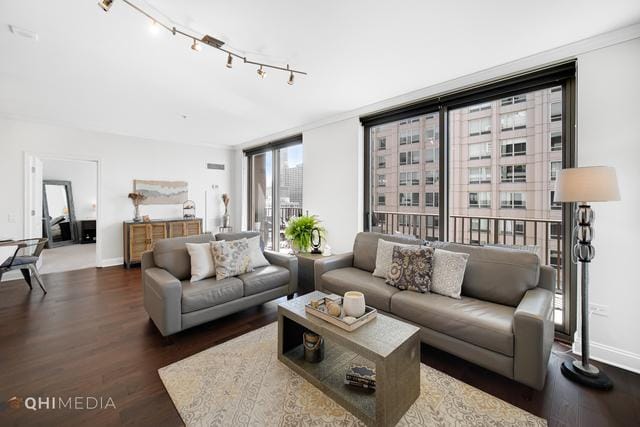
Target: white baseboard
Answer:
[[11, 275], [610, 355], [110, 262]]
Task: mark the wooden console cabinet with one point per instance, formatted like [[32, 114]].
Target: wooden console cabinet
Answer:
[[139, 237]]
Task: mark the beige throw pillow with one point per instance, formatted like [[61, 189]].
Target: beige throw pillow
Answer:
[[448, 273], [202, 265], [255, 253], [231, 258], [384, 255]]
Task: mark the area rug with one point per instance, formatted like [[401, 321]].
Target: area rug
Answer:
[[242, 383]]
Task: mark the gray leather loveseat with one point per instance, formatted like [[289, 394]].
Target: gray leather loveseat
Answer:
[[504, 321], [175, 304]]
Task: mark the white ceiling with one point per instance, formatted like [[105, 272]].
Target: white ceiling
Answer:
[[106, 72]]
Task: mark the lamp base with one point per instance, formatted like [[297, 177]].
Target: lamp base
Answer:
[[594, 379]]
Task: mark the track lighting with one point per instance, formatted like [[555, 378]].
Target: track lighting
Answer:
[[157, 25], [105, 4]]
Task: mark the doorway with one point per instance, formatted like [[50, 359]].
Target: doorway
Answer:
[[62, 199]]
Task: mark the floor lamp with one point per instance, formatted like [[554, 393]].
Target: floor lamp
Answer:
[[584, 185]]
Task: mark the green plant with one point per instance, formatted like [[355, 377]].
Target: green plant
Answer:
[[299, 231]]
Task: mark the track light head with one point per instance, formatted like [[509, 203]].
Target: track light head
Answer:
[[261, 72], [195, 46], [290, 81], [154, 27], [229, 61], [105, 4]]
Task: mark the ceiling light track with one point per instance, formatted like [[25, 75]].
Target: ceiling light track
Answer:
[[206, 40]]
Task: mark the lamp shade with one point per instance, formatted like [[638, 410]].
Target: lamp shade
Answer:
[[587, 184]]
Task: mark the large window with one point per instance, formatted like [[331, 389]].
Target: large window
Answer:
[[461, 151], [275, 190]]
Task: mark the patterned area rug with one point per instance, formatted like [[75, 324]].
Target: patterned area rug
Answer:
[[242, 383]]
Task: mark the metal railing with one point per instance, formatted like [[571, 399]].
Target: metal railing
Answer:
[[538, 234]]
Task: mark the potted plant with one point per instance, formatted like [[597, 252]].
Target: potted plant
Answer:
[[299, 231]]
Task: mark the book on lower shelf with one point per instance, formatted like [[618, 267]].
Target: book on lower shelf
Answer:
[[361, 376]]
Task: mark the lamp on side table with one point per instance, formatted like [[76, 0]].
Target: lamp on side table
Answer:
[[583, 185]]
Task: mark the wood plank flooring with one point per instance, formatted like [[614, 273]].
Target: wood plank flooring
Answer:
[[90, 336]]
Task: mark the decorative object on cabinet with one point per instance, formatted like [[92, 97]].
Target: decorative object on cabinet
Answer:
[[225, 229], [226, 218], [141, 237], [162, 192], [137, 199], [189, 209]]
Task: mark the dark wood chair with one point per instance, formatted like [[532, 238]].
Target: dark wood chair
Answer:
[[26, 262]]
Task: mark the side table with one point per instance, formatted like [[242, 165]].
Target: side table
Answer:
[[306, 278]]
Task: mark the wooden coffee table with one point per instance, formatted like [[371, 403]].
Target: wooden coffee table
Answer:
[[391, 345]]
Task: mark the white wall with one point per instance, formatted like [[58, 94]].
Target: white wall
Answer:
[[332, 157], [122, 159], [608, 116], [83, 176]]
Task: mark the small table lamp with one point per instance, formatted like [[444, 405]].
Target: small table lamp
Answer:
[[584, 185]]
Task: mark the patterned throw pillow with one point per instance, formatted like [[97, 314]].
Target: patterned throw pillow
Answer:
[[384, 256], [411, 268], [231, 258], [448, 273]]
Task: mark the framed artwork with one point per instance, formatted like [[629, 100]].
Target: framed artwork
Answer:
[[162, 192]]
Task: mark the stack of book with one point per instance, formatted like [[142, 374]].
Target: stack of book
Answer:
[[361, 376]]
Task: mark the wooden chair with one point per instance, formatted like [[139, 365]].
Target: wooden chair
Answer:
[[25, 263]]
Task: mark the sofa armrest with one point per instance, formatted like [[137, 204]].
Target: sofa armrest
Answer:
[[533, 331], [163, 300], [290, 262], [329, 263], [547, 278], [147, 261]]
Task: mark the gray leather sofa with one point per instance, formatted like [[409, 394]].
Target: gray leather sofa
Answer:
[[504, 321], [175, 304]]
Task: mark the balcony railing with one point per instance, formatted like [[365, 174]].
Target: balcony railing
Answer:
[[543, 234]]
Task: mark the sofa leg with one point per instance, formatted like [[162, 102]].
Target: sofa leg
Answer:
[[290, 296], [167, 341]]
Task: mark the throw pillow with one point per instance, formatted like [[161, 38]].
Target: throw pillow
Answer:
[[202, 265], [411, 268], [255, 253], [448, 272], [231, 258], [384, 255]]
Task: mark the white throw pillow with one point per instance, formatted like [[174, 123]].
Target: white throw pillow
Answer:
[[255, 253], [202, 265], [384, 257], [448, 272]]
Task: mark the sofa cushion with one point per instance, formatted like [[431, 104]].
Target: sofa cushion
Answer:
[[264, 278], [209, 293], [365, 248], [171, 254], [497, 275], [481, 323], [376, 293]]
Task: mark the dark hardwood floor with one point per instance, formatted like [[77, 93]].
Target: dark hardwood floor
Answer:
[[90, 336]]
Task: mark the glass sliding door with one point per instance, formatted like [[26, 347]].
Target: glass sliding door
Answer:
[[275, 191], [261, 191]]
